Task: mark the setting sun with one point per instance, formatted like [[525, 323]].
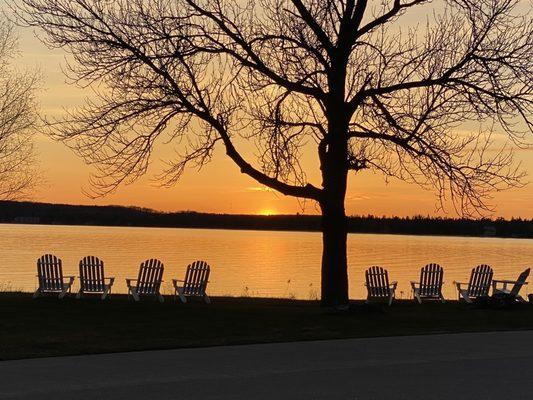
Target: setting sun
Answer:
[[267, 211]]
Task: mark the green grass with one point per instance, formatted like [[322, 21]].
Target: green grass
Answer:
[[50, 327]]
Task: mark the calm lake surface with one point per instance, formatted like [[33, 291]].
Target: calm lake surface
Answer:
[[252, 263]]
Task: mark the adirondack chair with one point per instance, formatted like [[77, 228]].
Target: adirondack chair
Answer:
[[195, 282], [512, 294], [378, 286], [148, 282], [479, 284], [50, 276], [92, 278], [430, 285]]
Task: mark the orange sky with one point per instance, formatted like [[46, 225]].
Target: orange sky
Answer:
[[219, 187]]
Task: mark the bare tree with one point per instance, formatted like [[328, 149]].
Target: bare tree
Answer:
[[18, 173], [355, 79]]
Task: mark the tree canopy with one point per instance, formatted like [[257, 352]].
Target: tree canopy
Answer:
[[18, 115], [214, 71]]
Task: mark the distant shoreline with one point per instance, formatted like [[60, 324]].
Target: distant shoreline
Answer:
[[12, 212], [269, 230]]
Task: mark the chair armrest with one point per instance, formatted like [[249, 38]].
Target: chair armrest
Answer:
[[111, 279], [129, 281], [504, 284], [501, 281], [507, 281], [393, 285]]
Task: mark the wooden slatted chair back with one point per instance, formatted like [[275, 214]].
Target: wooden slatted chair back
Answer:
[[92, 274], [480, 281], [377, 282], [431, 280], [519, 282], [150, 277], [50, 273], [196, 279]]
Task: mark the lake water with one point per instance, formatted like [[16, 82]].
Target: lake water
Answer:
[[252, 263]]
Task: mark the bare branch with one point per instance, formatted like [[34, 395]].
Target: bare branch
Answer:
[[356, 79], [18, 115]]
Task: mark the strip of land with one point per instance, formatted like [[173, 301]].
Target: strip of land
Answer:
[[50, 327], [65, 214]]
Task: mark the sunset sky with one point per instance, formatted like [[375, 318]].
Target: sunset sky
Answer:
[[219, 187]]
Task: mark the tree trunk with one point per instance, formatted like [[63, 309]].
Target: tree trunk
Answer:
[[334, 258], [334, 181], [334, 227]]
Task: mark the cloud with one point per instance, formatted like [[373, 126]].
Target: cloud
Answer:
[[358, 197], [258, 189]]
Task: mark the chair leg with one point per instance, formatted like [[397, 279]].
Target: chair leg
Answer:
[[392, 296], [134, 294], [417, 296], [64, 292], [181, 295], [207, 299], [67, 287], [79, 294], [37, 293], [106, 292], [160, 298], [464, 295]]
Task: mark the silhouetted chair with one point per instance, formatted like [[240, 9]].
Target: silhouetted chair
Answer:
[[195, 282], [512, 294], [92, 278], [430, 285], [148, 282], [50, 276], [378, 286], [479, 284]]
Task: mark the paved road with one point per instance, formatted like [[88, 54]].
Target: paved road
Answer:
[[462, 366]]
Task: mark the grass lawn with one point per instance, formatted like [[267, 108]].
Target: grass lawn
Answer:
[[50, 327]]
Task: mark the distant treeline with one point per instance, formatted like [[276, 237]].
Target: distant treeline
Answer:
[[60, 214]]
